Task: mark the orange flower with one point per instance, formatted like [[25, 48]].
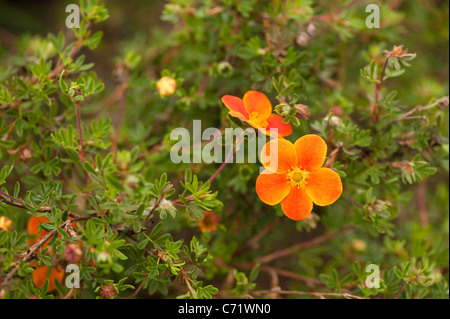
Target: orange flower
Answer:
[[33, 229], [5, 223], [43, 272], [256, 109], [166, 86], [296, 179], [209, 222]]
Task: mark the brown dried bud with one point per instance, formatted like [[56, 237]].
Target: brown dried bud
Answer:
[[311, 29], [443, 103], [23, 151], [303, 39], [73, 253], [398, 51], [108, 292], [337, 110], [303, 112]]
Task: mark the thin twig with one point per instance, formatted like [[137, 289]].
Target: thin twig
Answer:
[[134, 293], [310, 293], [442, 101], [303, 245], [80, 131], [26, 257]]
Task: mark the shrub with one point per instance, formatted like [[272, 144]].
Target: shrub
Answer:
[[86, 116]]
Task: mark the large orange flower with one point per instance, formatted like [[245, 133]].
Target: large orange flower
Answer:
[[256, 109], [294, 176]]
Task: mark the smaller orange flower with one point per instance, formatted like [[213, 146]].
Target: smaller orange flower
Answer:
[[33, 229], [296, 178], [209, 222], [43, 272], [166, 86], [5, 223], [256, 109]]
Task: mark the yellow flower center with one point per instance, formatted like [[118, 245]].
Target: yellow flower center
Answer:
[[298, 177], [255, 118]]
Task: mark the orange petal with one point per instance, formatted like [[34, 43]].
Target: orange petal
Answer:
[[324, 186], [236, 107], [33, 229], [272, 188], [278, 156], [297, 205], [276, 122], [311, 152], [41, 274], [255, 101]]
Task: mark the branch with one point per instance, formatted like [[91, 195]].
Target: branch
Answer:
[[80, 131], [443, 102], [26, 257], [310, 293], [303, 245]]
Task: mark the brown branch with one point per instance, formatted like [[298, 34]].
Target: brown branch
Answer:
[[283, 273], [29, 255], [303, 245], [421, 198], [61, 65], [374, 105], [441, 103], [122, 102], [134, 293], [81, 153], [310, 293]]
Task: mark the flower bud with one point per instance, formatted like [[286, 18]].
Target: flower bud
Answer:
[[303, 39], [108, 292], [166, 86], [209, 222], [335, 121], [5, 223], [73, 253], [303, 112], [359, 245]]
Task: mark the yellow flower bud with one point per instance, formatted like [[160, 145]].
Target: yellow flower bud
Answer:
[[166, 86], [5, 223]]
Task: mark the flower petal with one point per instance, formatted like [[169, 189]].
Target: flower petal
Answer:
[[42, 273], [278, 156], [255, 101], [311, 152], [236, 107], [276, 122], [324, 186], [272, 188], [297, 205]]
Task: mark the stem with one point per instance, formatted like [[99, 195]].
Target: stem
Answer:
[[30, 252], [61, 65], [221, 167], [303, 245], [11, 198], [442, 101], [80, 131], [311, 293], [134, 293], [118, 121], [374, 108]]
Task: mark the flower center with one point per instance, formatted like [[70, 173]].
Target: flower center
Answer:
[[298, 177], [255, 118]]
